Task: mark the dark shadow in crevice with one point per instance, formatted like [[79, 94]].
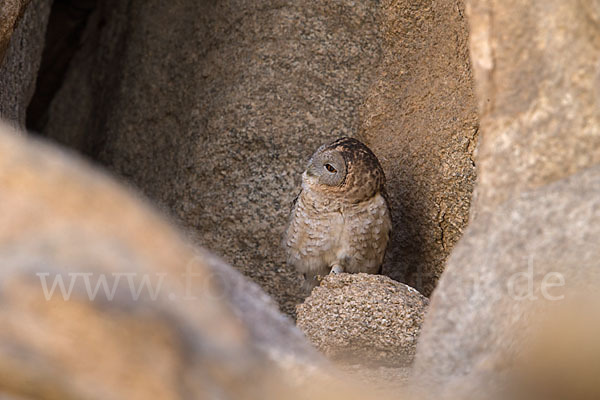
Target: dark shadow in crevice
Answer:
[[66, 26]]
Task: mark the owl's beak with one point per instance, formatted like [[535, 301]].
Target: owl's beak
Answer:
[[309, 178]]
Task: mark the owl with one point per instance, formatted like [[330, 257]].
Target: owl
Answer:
[[340, 221]]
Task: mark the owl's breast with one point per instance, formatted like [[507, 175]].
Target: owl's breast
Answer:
[[313, 235], [323, 233]]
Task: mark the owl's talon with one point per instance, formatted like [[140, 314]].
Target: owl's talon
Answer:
[[336, 269]]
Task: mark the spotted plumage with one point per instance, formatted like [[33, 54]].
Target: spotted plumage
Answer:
[[340, 221]]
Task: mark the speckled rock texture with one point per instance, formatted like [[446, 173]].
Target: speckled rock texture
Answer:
[[534, 250], [420, 118], [538, 83], [213, 110], [10, 12], [369, 319], [538, 195], [19, 67], [197, 329]]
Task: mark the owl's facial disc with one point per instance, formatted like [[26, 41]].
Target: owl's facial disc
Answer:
[[328, 168]]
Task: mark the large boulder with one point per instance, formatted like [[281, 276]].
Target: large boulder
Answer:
[[103, 298], [22, 32], [420, 118], [213, 109], [366, 319], [216, 124], [534, 238], [536, 249], [539, 95]]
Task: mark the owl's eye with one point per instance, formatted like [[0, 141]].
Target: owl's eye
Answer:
[[330, 168]]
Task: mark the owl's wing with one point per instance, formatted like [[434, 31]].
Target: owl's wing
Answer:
[[290, 218], [296, 200], [386, 198]]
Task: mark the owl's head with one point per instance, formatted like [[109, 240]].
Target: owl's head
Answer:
[[345, 167], [327, 167]]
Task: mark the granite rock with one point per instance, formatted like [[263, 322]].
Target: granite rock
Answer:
[[365, 319], [10, 12], [216, 119], [170, 321], [22, 52], [535, 219], [530, 253], [538, 83], [420, 118]]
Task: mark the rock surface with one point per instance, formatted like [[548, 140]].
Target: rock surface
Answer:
[[536, 249], [242, 93], [10, 12], [19, 67], [537, 210], [420, 118], [539, 92], [196, 329], [362, 318], [216, 119], [65, 35]]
